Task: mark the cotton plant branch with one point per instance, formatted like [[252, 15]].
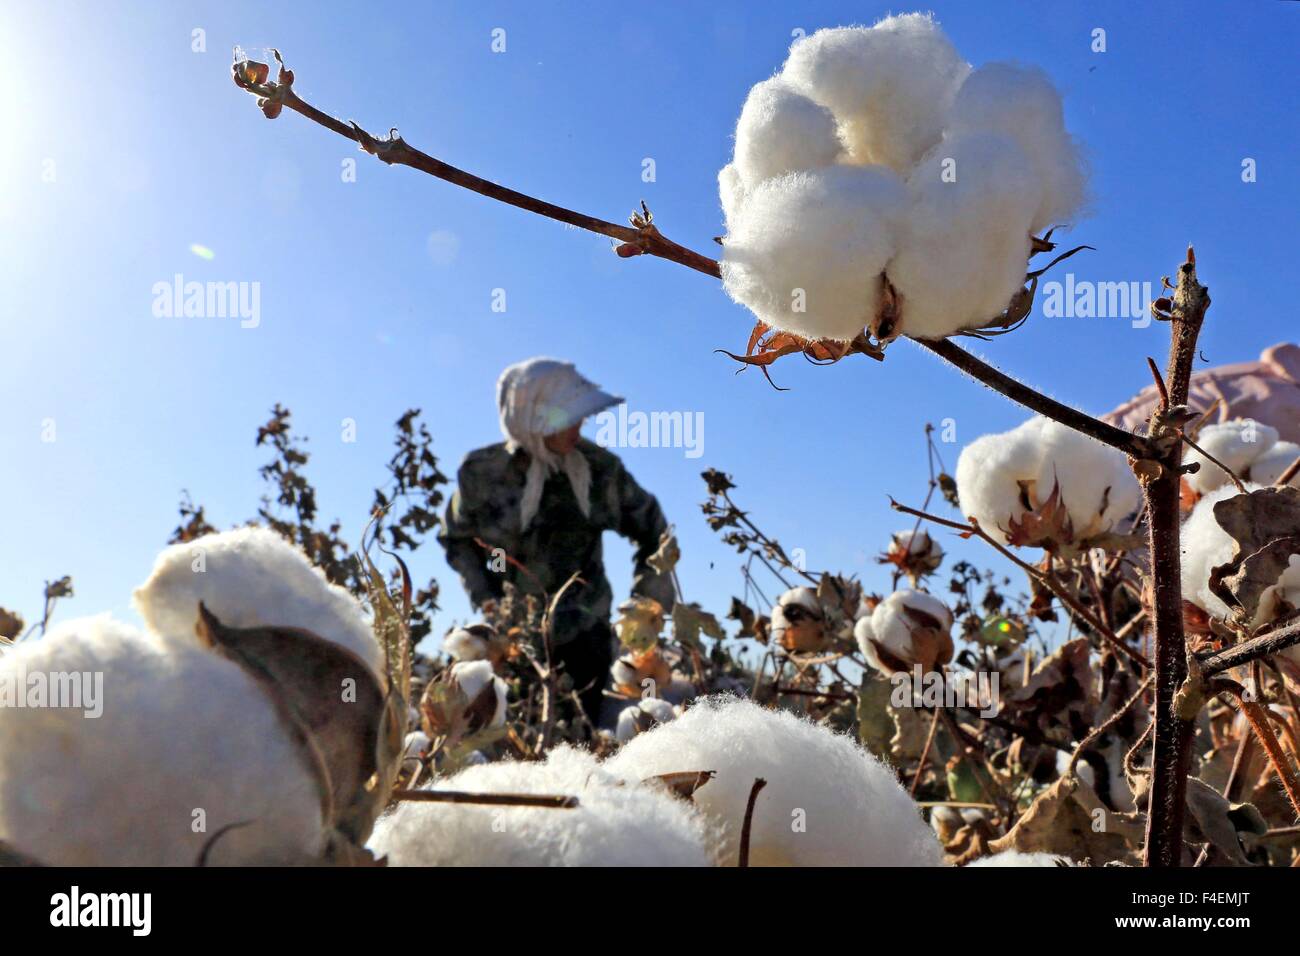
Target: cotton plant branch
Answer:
[[1258, 717], [1160, 473], [1050, 581], [1264, 645]]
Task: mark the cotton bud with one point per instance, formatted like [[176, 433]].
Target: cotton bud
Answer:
[[799, 622], [906, 630], [641, 716], [640, 671], [1045, 485], [475, 642], [914, 553], [469, 698], [1238, 444]]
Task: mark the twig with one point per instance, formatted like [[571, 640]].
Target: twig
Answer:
[[925, 753], [553, 802], [1108, 723], [747, 827], [1258, 719], [1265, 645], [1232, 475]]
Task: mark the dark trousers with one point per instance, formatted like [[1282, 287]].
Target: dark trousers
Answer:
[[586, 657]]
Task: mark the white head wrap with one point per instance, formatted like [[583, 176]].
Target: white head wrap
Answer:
[[540, 397]]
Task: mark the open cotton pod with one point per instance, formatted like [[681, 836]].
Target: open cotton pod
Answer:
[[189, 759], [619, 821], [827, 801], [1045, 485], [799, 622], [466, 699], [914, 553], [908, 629], [642, 716], [1016, 858], [1237, 444], [638, 673], [475, 642]]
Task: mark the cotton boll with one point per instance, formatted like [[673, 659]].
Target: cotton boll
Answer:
[[989, 471], [1268, 467], [464, 645], [806, 250], [473, 677], [1237, 444], [798, 621], [1021, 102], [1096, 484], [890, 86], [417, 743], [251, 577], [907, 629], [964, 250], [1016, 858], [184, 737], [642, 716], [781, 131], [850, 808], [618, 821]]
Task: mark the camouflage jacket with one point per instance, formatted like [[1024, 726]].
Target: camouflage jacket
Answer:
[[560, 540]]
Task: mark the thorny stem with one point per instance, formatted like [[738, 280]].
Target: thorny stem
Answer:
[[1172, 748]]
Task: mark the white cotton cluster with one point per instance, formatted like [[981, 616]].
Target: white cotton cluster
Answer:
[[916, 543], [187, 741], [1205, 546], [1017, 858], [906, 629], [1002, 477], [187, 744], [251, 577], [618, 821], [641, 716], [827, 801], [1249, 448], [463, 644], [473, 677], [878, 150]]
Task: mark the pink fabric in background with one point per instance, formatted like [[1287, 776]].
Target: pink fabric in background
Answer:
[[1267, 391]]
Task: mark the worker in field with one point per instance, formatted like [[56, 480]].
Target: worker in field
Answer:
[[531, 510]]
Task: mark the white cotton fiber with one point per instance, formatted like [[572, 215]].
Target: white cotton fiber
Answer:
[[1016, 858], [781, 131], [827, 801], [990, 470], [889, 85], [643, 714], [466, 644], [618, 821], [998, 475], [964, 249], [806, 249], [731, 192], [1268, 467], [1020, 102], [187, 743], [1095, 482], [1237, 444], [251, 577]]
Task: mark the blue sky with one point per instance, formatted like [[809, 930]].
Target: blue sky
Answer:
[[122, 148]]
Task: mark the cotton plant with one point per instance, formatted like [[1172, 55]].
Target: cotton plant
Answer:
[[224, 736], [1045, 485], [475, 642], [1248, 448], [642, 716], [879, 182]]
